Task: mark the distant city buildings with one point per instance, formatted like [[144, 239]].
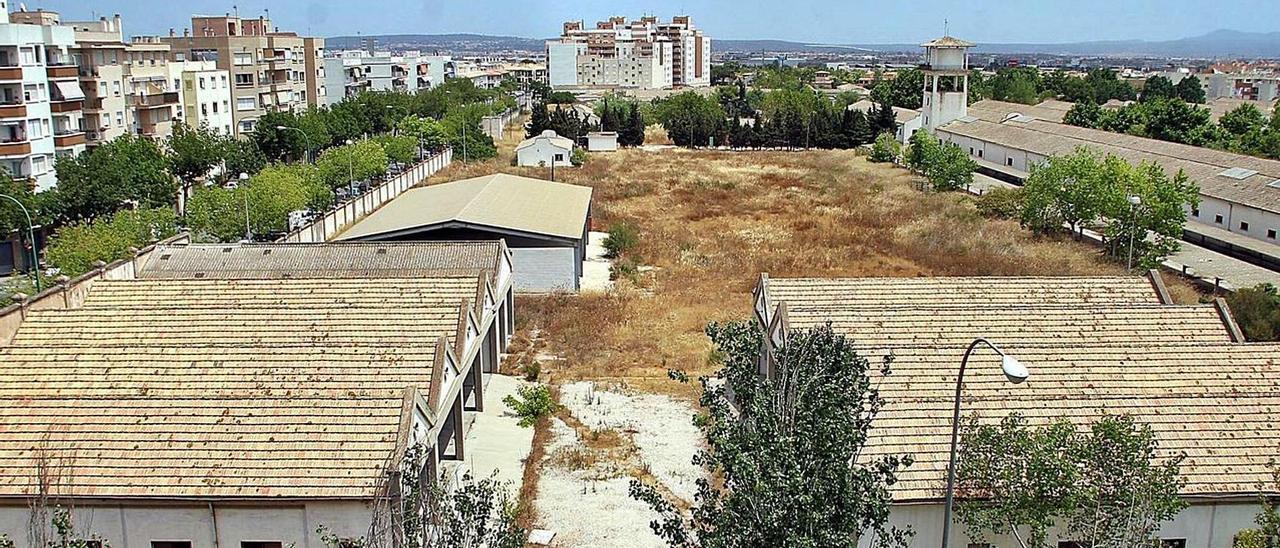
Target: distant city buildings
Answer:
[[644, 54]]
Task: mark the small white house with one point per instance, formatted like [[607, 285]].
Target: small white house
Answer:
[[544, 149], [602, 141]]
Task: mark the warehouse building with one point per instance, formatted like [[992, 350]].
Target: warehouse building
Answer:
[[1093, 345], [544, 223]]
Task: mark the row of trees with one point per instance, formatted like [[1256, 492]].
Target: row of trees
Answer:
[[1029, 86], [1245, 129], [1140, 210]]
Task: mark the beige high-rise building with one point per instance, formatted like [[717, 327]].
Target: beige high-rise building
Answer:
[[270, 70], [643, 54]]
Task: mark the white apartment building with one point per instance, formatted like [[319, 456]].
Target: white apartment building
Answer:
[[643, 54], [205, 95], [40, 99]]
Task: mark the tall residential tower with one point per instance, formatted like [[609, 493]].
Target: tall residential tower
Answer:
[[643, 54]]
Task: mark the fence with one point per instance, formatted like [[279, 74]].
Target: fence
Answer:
[[339, 218], [493, 126]]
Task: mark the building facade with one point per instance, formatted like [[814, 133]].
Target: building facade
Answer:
[[271, 71], [205, 95], [643, 54], [41, 102]]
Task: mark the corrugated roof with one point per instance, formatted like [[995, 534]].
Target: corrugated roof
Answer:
[[901, 115], [224, 388], [1202, 165], [947, 42], [501, 201], [337, 260], [999, 111]]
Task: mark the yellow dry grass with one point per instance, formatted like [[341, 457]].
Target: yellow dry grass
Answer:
[[711, 221]]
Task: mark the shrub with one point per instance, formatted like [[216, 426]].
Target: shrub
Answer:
[[75, 247], [533, 403], [622, 238], [578, 156], [1257, 311], [1001, 203], [885, 149], [626, 268], [531, 371]]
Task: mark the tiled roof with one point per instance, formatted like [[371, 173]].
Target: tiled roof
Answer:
[[1202, 165], [500, 201], [992, 110], [225, 388], [340, 260], [1218, 403], [947, 42], [966, 292], [1038, 325]]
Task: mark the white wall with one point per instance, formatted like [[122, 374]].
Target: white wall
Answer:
[[562, 64], [136, 525], [541, 153], [1203, 525]]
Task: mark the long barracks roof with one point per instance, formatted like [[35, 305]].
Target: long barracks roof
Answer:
[[1204, 166], [500, 201], [237, 389], [323, 260], [964, 292]]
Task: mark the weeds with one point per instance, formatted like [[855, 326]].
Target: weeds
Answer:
[[623, 237], [533, 403]]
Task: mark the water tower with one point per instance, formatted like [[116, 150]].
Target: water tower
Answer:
[[946, 81]]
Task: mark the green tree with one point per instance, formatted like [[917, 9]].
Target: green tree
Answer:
[[11, 216], [950, 168], [1017, 85], [1257, 312], [1084, 114], [1174, 119], [1158, 87], [360, 161], [787, 474], [886, 148], [907, 89], [632, 134], [241, 156], [691, 119], [219, 214], [1189, 90], [125, 170], [193, 152], [1106, 85], [1242, 120], [401, 149], [1153, 228], [1069, 190], [76, 246], [922, 148], [430, 133], [539, 120], [279, 145]]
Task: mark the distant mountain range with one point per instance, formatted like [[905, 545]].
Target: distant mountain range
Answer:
[[1220, 43]]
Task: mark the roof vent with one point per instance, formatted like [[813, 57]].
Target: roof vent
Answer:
[[967, 119], [266, 251], [1238, 173], [1274, 184], [1020, 118], [381, 251], [199, 275], [226, 250], [166, 256]]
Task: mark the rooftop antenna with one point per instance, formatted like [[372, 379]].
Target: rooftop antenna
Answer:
[[946, 28], [235, 9]]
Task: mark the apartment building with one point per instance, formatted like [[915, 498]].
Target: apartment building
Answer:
[[205, 95], [270, 70], [40, 99], [643, 54]]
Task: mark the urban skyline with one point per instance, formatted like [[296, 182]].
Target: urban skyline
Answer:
[[813, 21]]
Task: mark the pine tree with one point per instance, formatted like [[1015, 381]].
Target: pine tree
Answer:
[[538, 120], [634, 130], [608, 118], [884, 119]]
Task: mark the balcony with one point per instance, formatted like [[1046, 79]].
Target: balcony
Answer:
[[68, 106], [68, 138], [13, 110], [63, 71], [154, 100], [19, 147], [156, 129], [11, 73]]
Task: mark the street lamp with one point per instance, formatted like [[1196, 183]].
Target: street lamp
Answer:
[[351, 168], [1016, 373], [1134, 202], [305, 139], [31, 233], [244, 178]]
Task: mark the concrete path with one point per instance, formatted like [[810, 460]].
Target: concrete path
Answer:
[[495, 443], [595, 269]]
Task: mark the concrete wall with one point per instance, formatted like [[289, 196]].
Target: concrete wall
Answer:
[[1202, 525], [541, 153], [338, 219], [545, 269], [128, 525], [562, 64]]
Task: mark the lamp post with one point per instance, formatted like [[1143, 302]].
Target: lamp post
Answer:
[[1134, 202], [244, 178], [31, 234], [1016, 372], [306, 153], [351, 168]]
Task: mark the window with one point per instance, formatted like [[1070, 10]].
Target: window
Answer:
[[102, 89], [1244, 225], [119, 118], [30, 93], [202, 82], [38, 165], [1271, 233], [979, 153], [204, 109], [559, 157], [34, 129], [170, 544], [242, 59], [1217, 219], [246, 126], [1008, 161], [27, 55], [246, 103], [260, 544], [115, 88], [215, 107], [224, 81], [244, 79], [1195, 212]]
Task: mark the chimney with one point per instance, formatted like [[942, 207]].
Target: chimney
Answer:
[[116, 20], [171, 33]]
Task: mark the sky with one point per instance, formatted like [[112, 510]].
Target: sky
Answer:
[[810, 21]]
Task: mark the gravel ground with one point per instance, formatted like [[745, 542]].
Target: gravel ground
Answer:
[[582, 495]]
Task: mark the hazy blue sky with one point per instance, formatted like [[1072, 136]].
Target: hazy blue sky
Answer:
[[826, 21]]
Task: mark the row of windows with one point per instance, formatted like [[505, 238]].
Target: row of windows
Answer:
[[1244, 225]]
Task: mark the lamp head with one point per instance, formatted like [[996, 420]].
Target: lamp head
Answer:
[[1135, 200], [1014, 370], [281, 128], [244, 176]]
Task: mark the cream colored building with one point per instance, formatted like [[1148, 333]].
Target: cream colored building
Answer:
[[205, 95], [641, 54], [270, 70]]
